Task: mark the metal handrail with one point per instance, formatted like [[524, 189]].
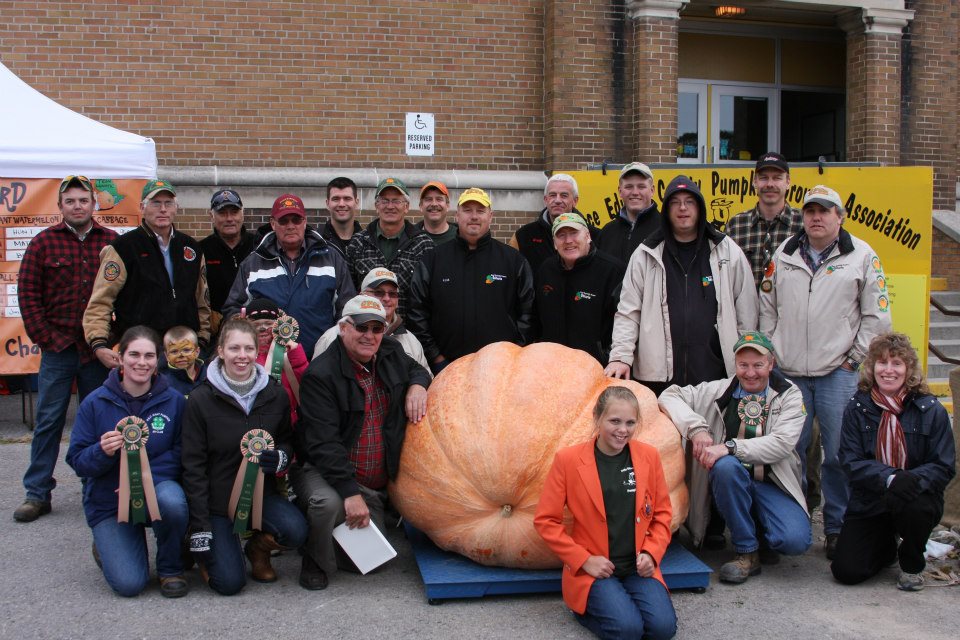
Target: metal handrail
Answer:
[[944, 309], [948, 312], [943, 357]]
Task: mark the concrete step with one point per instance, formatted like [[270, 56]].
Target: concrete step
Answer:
[[940, 387], [939, 316], [947, 298], [936, 368], [948, 347], [944, 331]]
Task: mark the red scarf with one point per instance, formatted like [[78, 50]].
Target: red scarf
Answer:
[[891, 447]]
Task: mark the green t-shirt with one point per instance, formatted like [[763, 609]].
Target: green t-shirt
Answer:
[[388, 246], [446, 236], [619, 500]]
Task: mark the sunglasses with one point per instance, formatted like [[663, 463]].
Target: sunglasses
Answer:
[[375, 327]]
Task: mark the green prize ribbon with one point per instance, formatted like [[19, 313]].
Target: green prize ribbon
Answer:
[[285, 330], [246, 500], [137, 495]]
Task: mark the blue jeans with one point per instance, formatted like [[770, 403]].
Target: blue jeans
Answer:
[[226, 564], [633, 607], [57, 372], [746, 503], [123, 546], [825, 398]]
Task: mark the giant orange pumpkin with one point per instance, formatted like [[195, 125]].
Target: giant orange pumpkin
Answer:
[[471, 472]]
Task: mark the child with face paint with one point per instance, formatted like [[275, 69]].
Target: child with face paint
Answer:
[[184, 369], [264, 313]]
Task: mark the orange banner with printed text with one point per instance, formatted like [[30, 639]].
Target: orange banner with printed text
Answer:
[[27, 207]]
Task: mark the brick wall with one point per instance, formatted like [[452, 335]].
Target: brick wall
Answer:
[[585, 93], [945, 260], [294, 83], [873, 98], [653, 84], [929, 103]]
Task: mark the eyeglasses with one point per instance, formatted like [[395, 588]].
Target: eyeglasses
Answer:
[[162, 204], [374, 327], [396, 202], [385, 294]]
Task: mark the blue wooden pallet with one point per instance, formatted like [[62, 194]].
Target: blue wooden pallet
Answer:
[[449, 575]]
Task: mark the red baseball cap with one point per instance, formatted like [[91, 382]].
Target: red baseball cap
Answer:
[[287, 204]]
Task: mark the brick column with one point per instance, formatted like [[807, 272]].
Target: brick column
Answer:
[[873, 84], [653, 78], [928, 133]]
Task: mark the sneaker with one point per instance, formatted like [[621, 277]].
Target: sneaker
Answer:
[[910, 581], [174, 587], [740, 568], [30, 510], [312, 577], [830, 545]]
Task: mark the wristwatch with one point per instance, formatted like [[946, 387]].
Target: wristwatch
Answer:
[[731, 446]]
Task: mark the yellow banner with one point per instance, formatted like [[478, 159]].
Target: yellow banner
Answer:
[[890, 208]]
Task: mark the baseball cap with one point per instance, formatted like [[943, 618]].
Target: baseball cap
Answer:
[[225, 198], [772, 159], [395, 183], [287, 204], [154, 187], [77, 181], [824, 196], [363, 309], [474, 194], [262, 309], [754, 340], [636, 167], [377, 277], [434, 184], [571, 220]]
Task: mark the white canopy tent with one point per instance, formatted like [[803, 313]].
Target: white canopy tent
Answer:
[[43, 139]]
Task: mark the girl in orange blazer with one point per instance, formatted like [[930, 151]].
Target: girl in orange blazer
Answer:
[[615, 491]]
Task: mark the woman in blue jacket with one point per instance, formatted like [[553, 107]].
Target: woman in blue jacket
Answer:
[[133, 389], [897, 450]]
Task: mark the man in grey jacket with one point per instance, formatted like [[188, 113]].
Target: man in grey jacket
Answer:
[[823, 298], [743, 433]]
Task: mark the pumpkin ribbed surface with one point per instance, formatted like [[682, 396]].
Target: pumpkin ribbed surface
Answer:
[[471, 472]]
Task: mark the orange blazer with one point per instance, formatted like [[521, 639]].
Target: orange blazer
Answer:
[[574, 482]]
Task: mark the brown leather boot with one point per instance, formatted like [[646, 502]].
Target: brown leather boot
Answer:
[[258, 550]]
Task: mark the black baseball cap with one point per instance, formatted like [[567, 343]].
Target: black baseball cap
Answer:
[[772, 159], [225, 198]]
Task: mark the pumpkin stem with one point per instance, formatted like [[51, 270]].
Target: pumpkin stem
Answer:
[[506, 510]]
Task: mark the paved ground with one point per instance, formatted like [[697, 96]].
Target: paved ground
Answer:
[[50, 588]]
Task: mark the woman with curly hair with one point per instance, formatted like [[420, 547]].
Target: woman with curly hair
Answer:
[[897, 450]]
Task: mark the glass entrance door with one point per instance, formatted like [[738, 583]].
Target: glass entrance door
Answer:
[[742, 123]]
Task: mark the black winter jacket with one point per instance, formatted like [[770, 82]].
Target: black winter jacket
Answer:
[[620, 239], [463, 300], [576, 307], [930, 449], [213, 425], [223, 264], [331, 411]]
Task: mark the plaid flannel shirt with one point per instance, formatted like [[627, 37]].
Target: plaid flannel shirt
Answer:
[[759, 239], [368, 455], [56, 277]]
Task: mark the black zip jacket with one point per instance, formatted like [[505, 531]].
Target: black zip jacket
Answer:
[[576, 307], [331, 411], [213, 425], [463, 300], [330, 235], [223, 264], [620, 239]]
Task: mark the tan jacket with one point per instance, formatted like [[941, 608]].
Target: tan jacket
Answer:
[[641, 327], [818, 321], [699, 408]]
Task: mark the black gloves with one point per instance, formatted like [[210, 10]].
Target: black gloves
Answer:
[[904, 488], [273, 461]]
